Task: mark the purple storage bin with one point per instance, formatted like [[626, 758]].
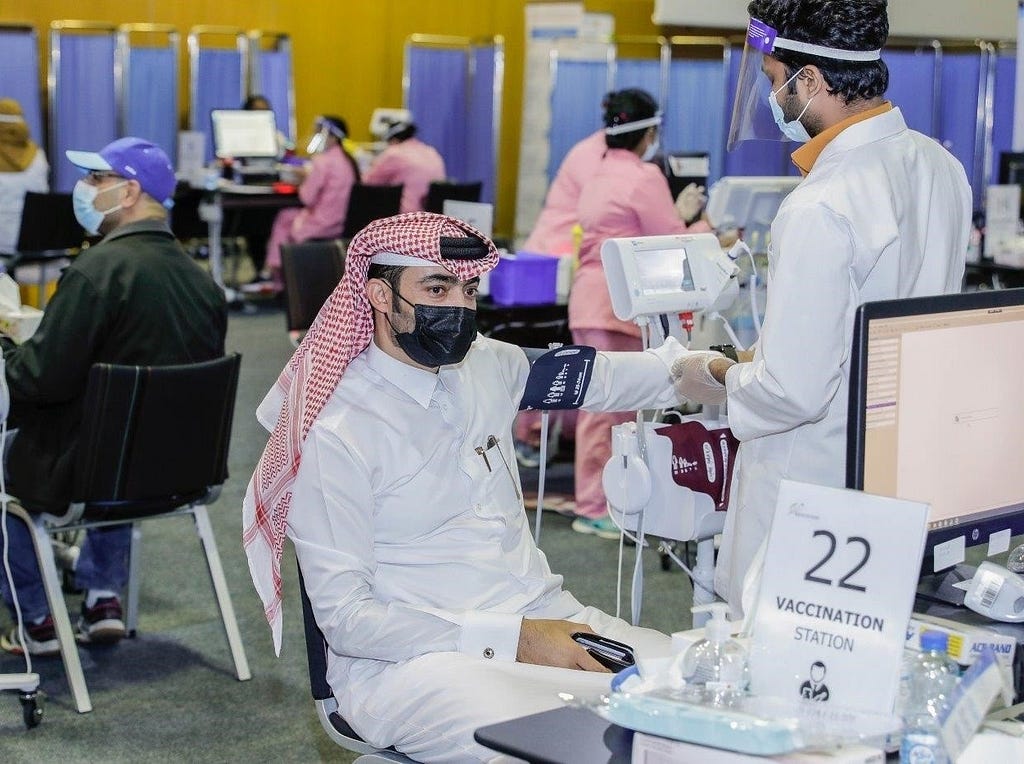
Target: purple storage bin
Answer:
[[525, 278]]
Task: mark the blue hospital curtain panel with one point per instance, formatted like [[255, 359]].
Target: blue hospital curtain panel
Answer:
[[151, 97], [219, 86], [1002, 123], [438, 100], [19, 76], [960, 77], [912, 87], [753, 157], [576, 96], [275, 68], [695, 118], [480, 148], [86, 114]]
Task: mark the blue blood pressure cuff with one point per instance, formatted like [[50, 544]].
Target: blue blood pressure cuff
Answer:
[[558, 378]]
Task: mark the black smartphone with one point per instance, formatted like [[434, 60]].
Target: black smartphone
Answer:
[[609, 653]]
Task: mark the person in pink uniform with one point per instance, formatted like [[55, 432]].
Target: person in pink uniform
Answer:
[[626, 196], [407, 161], [552, 233], [324, 194]]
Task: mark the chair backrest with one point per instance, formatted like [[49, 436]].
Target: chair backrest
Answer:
[[311, 271], [368, 203], [438, 191], [154, 437], [48, 223]]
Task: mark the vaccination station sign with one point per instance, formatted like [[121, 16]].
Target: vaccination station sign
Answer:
[[837, 590]]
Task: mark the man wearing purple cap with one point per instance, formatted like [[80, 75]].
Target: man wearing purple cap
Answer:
[[133, 298]]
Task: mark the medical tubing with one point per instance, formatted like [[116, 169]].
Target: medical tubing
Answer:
[[666, 549], [4, 501], [542, 474], [728, 330]]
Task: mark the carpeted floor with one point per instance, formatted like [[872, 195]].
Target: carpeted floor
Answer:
[[170, 694]]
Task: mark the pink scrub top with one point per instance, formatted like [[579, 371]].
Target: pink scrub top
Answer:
[[411, 163], [625, 197], [552, 233], [324, 195]]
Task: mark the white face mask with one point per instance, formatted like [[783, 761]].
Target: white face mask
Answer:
[[83, 199], [650, 151], [793, 130]]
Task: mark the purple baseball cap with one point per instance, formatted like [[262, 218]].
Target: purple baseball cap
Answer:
[[135, 159]]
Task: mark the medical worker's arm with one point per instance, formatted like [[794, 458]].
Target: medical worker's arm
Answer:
[[657, 213], [383, 171], [313, 184], [634, 380], [805, 339]]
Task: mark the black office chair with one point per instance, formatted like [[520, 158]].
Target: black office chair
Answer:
[[49, 232], [368, 203], [311, 272], [438, 191], [334, 725], [153, 443]]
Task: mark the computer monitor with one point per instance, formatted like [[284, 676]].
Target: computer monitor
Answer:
[[936, 414], [244, 134], [685, 167], [749, 203]]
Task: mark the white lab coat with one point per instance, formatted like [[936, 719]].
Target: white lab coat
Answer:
[[884, 213], [13, 186]]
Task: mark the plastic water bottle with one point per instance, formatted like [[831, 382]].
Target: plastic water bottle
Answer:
[[931, 679]]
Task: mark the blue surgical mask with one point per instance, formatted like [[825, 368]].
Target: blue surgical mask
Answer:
[[793, 130], [83, 199]]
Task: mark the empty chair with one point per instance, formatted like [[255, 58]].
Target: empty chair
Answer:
[[48, 232], [460, 192], [154, 443], [369, 203], [334, 725], [311, 271]]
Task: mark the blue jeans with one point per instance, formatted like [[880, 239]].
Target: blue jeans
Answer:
[[102, 564]]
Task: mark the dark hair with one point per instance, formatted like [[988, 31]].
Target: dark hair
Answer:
[[255, 98], [629, 105], [340, 124], [405, 133], [390, 274], [843, 24]]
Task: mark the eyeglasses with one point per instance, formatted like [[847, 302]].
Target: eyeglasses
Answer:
[[98, 176]]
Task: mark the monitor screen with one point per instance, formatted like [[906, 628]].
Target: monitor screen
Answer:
[[683, 168], [749, 203], [243, 134], [936, 414]]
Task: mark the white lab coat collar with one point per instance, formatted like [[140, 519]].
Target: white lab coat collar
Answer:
[[418, 384], [874, 129]]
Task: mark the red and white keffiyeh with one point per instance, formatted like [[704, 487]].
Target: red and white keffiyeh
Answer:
[[341, 331]]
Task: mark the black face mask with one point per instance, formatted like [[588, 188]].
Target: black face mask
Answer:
[[442, 334]]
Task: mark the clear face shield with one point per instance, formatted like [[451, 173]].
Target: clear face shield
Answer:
[[319, 140], [752, 117]]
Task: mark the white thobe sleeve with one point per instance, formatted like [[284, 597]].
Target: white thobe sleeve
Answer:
[[631, 380]]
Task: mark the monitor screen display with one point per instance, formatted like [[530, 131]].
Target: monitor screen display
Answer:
[[242, 134], [664, 271], [937, 411]]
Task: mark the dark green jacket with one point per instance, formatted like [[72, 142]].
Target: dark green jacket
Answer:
[[134, 298]]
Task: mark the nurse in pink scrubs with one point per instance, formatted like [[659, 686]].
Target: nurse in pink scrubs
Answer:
[[407, 161], [625, 196], [324, 194]]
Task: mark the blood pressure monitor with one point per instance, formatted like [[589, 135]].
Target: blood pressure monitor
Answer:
[[651, 275]]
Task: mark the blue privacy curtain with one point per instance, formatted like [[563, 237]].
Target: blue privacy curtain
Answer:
[[695, 110], [216, 77], [83, 112], [961, 88], [452, 88], [485, 90], [272, 77], [577, 90], [149, 88], [912, 86], [19, 75], [1002, 122]]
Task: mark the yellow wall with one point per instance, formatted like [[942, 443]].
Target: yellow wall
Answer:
[[348, 55]]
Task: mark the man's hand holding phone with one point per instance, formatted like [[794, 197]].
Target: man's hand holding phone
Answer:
[[550, 643], [615, 656]]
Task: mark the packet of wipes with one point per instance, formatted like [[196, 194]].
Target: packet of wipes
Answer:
[[17, 321]]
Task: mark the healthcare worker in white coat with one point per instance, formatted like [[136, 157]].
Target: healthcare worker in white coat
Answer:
[[883, 212]]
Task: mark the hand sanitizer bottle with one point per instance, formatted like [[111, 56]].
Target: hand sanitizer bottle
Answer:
[[717, 664]]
